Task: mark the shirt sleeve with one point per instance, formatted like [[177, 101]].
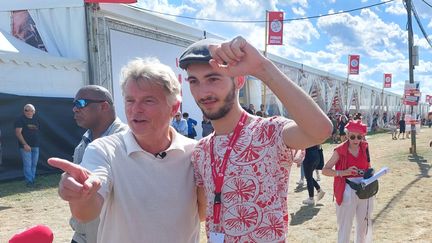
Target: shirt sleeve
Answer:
[[18, 123], [184, 128], [195, 160], [97, 162], [288, 155]]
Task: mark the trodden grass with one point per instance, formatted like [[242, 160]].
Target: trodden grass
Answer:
[[402, 211]]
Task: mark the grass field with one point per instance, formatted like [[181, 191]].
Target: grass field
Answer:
[[402, 210]]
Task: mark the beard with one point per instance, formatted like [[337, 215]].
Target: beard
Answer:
[[223, 111]]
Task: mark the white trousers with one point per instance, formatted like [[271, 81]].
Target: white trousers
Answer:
[[360, 208]]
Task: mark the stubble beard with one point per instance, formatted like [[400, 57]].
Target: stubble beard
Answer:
[[225, 109]]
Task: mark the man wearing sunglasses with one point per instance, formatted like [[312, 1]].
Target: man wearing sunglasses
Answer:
[[93, 110], [139, 181], [27, 132]]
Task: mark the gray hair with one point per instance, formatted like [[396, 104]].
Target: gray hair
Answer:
[[151, 71], [30, 106]]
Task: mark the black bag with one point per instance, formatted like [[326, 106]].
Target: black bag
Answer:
[[321, 159], [365, 192]]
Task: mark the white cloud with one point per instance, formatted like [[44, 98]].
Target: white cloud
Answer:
[[164, 6], [298, 11], [396, 8]]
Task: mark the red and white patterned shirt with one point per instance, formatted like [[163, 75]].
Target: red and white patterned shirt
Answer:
[[255, 189]]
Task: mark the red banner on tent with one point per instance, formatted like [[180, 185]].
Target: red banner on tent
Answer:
[[387, 80], [429, 99], [353, 64], [110, 1], [275, 28]]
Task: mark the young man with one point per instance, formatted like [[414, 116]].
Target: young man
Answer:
[[244, 168], [93, 110], [139, 181], [27, 132]]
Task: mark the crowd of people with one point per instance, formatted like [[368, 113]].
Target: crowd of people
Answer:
[[150, 181]]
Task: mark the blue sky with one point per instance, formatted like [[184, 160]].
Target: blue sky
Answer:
[[378, 34]]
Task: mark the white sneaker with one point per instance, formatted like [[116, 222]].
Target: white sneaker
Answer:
[[309, 201], [320, 195], [300, 182]]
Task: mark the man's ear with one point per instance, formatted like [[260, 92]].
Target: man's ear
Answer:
[[239, 81], [175, 108], [105, 106]]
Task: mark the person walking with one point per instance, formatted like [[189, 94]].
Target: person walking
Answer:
[[310, 163], [139, 181], [191, 123], [343, 120], [402, 126], [27, 132], [93, 110], [349, 162], [244, 166]]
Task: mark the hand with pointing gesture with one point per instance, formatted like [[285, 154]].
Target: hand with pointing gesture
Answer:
[[79, 187]]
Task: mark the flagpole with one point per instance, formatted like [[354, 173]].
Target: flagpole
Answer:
[[346, 88], [382, 101], [263, 100]]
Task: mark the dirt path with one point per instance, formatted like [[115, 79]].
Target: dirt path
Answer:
[[402, 210]]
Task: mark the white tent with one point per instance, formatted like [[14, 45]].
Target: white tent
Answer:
[[25, 70]]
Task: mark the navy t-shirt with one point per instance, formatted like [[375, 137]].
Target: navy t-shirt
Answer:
[[30, 130]]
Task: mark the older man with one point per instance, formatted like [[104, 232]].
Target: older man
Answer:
[[94, 110], [27, 132], [139, 181]]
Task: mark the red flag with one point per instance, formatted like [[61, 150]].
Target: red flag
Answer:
[[387, 80], [110, 1], [275, 28], [353, 64]]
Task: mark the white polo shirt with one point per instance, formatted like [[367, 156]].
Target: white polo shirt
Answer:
[[146, 199]]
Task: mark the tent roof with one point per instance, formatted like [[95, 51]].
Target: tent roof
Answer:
[[26, 4], [18, 52]]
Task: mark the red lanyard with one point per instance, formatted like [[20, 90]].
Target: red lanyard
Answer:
[[218, 177]]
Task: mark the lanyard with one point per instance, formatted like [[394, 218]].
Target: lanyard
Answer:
[[218, 177]]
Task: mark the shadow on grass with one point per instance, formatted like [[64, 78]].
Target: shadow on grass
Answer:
[[4, 208], [42, 182], [300, 188], [304, 214], [424, 168]]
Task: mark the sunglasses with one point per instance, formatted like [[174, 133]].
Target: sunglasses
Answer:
[[81, 103], [359, 137], [27, 110]]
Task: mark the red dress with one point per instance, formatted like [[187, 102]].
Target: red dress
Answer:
[[345, 161]]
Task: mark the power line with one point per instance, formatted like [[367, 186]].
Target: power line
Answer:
[[262, 21], [420, 24], [427, 3]]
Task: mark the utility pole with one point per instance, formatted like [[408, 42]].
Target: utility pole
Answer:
[[413, 149]]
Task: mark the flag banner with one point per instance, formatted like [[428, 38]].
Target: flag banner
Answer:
[[110, 1], [353, 64], [387, 80], [275, 28]]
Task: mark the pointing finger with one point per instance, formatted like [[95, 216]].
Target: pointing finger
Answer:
[[78, 172]]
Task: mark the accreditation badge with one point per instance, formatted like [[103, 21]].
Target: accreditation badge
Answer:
[[216, 237]]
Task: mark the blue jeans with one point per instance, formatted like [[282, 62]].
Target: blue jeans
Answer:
[[30, 160]]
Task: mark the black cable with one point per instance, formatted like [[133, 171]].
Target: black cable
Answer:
[[420, 24], [262, 21], [427, 3]]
